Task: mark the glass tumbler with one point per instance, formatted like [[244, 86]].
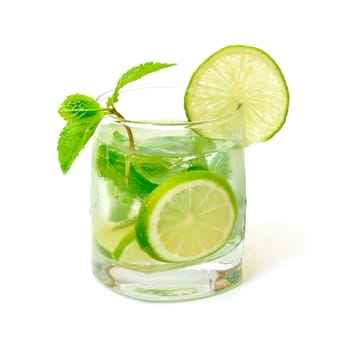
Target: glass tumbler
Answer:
[[160, 226]]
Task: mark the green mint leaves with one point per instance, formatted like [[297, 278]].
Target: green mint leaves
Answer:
[[83, 114], [134, 74]]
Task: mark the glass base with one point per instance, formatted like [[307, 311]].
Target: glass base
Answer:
[[181, 283]]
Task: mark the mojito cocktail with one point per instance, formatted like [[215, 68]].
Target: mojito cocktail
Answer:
[[168, 175], [171, 211]]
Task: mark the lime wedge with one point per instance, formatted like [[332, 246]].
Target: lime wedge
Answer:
[[111, 240], [244, 89], [188, 216]]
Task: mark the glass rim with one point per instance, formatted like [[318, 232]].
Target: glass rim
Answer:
[[161, 123]]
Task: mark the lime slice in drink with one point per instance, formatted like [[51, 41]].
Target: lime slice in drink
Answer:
[[111, 240], [244, 89], [188, 216], [133, 254]]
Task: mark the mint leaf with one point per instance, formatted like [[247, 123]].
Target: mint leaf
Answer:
[[111, 165], [83, 114], [72, 140], [134, 74], [78, 107]]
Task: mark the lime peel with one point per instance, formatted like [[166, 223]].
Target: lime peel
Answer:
[[110, 240]]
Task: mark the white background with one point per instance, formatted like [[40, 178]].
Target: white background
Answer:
[[293, 293]]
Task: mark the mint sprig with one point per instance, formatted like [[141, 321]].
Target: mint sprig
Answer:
[[84, 113]]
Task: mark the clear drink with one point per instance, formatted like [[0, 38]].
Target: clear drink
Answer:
[[124, 178]]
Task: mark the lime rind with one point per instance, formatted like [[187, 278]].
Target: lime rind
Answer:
[[244, 90], [110, 240], [124, 242], [132, 254], [147, 234], [103, 251]]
